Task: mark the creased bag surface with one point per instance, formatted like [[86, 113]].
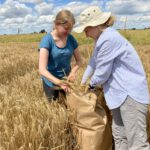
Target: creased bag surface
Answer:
[[89, 122]]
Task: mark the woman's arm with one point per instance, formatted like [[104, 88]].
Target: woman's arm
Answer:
[[87, 74], [104, 63], [43, 61], [74, 70], [89, 70]]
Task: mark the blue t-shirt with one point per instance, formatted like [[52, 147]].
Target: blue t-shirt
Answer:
[[59, 60]]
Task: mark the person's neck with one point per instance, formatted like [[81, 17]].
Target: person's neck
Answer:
[[57, 35], [98, 35], [100, 30]]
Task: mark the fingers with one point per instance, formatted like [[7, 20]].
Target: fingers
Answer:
[[66, 87], [71, 78], [67, 90]]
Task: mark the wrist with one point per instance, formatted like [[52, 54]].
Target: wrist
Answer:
[[73, 72], [58, 82]]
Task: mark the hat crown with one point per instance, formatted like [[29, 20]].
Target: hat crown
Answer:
[[90, 14]]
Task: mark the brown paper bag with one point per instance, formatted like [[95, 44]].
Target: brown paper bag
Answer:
[[88, 121]]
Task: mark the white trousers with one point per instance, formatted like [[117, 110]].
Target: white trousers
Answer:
[[129, 126]]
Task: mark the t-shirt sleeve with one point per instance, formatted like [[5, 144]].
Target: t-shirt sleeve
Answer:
[[45, 43], [74, 42]]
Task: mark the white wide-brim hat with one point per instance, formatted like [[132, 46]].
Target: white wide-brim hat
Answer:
[[92, 16]]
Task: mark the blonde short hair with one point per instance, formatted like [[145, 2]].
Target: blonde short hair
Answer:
[[64, 17]]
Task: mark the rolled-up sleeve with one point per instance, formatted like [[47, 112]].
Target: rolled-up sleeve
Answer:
[[88, 73], [89, 70], [92, 62], [104, 62]]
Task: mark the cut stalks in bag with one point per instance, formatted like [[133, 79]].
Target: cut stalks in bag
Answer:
[[88, 122]]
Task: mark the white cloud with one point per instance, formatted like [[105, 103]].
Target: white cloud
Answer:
[[45, 19], [14, 20], [137, 12], [31, 1], [145, 18], [30, 18], [133, 21], [76, 7], [124, 7], [12, 9], [44, 8]]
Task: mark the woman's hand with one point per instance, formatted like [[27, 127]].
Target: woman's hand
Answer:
[[71, 77], [66, 87]]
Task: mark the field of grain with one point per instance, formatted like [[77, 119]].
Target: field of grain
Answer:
[[27, 120]]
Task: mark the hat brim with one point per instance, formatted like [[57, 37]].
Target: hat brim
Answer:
[[98, 21]]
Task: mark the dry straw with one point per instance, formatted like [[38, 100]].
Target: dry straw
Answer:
[[27, 120]]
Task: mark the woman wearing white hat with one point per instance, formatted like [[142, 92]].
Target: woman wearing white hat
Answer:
[[116, 66]]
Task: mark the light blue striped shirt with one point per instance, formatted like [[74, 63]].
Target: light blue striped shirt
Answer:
[[116, 66]]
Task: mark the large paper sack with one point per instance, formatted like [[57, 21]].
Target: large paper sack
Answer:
[[89, 123]]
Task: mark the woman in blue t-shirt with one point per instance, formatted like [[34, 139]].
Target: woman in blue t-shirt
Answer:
[[56, 50]]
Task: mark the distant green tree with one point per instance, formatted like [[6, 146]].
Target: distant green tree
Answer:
[[43, 31], [133, 28]]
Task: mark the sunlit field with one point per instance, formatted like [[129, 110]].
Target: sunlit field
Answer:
[[27, 120]]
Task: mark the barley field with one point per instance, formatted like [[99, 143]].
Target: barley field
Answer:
[[27, 120]]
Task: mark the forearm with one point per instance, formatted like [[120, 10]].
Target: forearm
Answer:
[[87, 74], [50, 77], [76, 67]]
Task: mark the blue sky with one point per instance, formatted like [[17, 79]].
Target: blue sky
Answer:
[[33, 15]]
